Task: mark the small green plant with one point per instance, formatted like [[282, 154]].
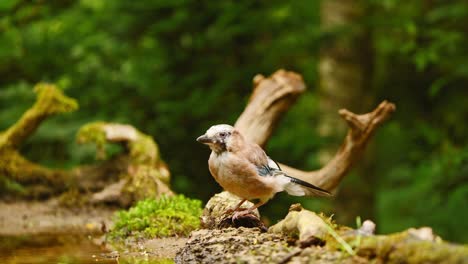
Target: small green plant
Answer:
[[162, 217], [357, 243], [341, 242]]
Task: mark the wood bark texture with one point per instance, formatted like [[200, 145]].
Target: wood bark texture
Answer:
[[274, 95], [140, 166]]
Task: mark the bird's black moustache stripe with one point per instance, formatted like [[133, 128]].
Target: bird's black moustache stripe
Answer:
[[223, 145], [220, 147]]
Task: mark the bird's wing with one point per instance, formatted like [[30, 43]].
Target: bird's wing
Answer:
[[293, 186], [268, 168], [273, 164]]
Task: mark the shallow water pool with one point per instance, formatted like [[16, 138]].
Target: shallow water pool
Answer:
[[64, 248]]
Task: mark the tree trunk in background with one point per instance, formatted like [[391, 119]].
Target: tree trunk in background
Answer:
[[345, 73]]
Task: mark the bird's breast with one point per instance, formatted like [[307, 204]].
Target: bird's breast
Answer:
[[239, 177]]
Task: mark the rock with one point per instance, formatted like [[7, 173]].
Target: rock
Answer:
[[216, 215], [367, 228]]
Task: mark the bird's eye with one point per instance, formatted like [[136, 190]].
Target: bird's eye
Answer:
[[222, 134]]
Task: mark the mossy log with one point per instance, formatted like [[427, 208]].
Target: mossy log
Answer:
[[411, 246], [137, 173], [143, 173]]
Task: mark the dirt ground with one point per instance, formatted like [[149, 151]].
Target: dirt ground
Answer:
[[60, 228], [165, 247], [32, 217], [156, 248]]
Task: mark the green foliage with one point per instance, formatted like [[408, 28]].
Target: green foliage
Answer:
[[412, 199], [166, 216]]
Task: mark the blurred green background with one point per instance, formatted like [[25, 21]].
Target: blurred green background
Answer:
[[173, 68]]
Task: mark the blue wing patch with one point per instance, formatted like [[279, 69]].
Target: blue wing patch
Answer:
[[268, 169], [264, 170]]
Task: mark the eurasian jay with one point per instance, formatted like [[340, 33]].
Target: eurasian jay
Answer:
[[243, 169]]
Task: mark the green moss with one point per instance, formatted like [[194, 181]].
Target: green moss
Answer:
[[166, 216], [405, 248], [94, 133], [73, 198], [144, 149], [51, 100], [14, 168]]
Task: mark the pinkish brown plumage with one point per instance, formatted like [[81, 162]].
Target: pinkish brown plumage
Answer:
[[243, 168]]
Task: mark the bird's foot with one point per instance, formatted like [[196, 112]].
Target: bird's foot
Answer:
[[247, 218], [240, 213]]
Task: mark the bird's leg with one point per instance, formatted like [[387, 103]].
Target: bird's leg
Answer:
[[248, 211], [237, 207]]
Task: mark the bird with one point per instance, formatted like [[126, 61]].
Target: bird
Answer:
[[244, 169]]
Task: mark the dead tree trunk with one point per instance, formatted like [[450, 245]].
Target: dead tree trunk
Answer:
[[345, 74]]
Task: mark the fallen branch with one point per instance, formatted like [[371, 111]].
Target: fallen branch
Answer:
[[270, 99], [139, 170], [306, 225], [274, 95]]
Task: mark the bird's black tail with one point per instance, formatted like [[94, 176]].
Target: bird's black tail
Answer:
[[299, 187]]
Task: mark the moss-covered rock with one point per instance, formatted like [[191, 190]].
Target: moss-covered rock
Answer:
[[162, 217]]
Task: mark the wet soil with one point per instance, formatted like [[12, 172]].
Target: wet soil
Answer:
[[27, 218], [46, 232]]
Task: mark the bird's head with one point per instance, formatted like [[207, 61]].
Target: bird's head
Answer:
[[218, 137]]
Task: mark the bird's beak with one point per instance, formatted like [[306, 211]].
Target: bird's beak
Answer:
[[204, 139]]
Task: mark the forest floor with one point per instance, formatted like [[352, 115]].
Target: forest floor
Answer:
[[36, 217], [31, 228], [53, 233]]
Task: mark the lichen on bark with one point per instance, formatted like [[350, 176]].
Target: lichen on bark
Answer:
[[135, 174]]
